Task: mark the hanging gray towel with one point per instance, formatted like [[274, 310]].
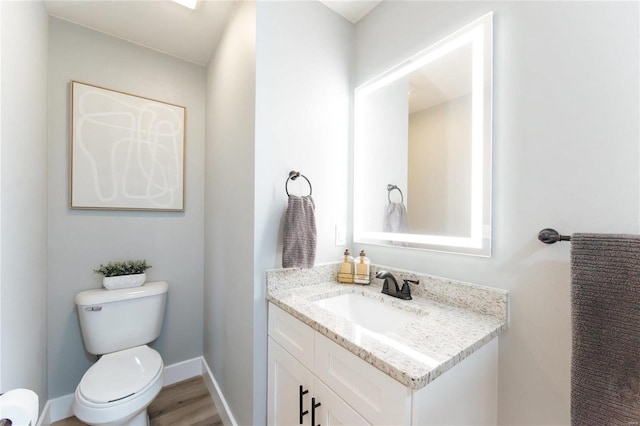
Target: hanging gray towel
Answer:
[[299, 234], [605, 302]]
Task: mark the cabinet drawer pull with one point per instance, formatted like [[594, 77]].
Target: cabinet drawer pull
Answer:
[[305, 412], [313, 411]]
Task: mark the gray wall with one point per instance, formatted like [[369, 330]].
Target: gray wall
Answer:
[[80, 240], [229, 226], [23, 331], [565, 156]]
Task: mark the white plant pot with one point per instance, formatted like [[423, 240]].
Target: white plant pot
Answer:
[[124, 281]]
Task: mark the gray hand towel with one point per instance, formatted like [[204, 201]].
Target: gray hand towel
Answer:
[[299, 234], [605, 301]]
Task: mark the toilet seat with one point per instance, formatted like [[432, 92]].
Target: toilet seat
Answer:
[[120, 374], [118, 386]]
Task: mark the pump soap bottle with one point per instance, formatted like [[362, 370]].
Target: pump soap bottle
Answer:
[[362, 269], [345, 274]]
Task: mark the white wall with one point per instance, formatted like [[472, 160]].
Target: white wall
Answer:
[[229, 226], [302, 119], [565, 156], [294, 75], [23, 213], [303, 92], [79, 240]]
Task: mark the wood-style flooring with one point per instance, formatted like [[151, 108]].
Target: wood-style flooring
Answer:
[[186, 403]]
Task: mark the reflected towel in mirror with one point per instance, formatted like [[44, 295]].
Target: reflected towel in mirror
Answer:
[[395, 220]]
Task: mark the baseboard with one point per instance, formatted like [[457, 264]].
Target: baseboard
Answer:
[[218, 398], [45, 417], [56, 409], [184, 370], [61, 407]]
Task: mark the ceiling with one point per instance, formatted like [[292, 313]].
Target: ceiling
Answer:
[[353, 10], [167, 27], [444, 79]]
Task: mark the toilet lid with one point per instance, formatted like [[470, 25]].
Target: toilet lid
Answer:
[[120, 374]]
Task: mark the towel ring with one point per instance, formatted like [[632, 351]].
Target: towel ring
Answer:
[[391, 188], [293, 175]]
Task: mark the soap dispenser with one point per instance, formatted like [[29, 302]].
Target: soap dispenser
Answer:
[[362, 269], [345, 274]]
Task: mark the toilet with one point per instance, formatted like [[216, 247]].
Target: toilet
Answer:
[[117, 325]]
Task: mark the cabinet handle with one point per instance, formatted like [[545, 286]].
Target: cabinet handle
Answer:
[[313, 411], [302, 393]]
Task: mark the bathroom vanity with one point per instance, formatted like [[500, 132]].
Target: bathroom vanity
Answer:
[[347, 354]]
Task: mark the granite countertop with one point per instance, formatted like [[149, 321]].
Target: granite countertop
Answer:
[[453, 319]]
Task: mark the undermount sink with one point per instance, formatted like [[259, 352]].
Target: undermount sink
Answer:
[[374, 315]]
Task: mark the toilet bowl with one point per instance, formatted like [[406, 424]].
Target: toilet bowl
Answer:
[[117, 325], [118, 388]]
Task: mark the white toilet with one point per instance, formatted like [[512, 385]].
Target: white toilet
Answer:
[[118, 324]]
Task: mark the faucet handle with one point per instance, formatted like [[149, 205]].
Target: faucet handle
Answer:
[[406, 291]]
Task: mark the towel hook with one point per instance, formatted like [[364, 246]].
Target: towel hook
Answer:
[[391, 188], [293, 175]]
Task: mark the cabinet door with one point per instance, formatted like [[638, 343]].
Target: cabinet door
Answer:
[[333, 411], [284, 399], [376, 396]]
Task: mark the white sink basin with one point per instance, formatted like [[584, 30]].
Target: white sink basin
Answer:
[[368, 313]]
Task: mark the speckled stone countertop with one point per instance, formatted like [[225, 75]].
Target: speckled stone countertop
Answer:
[[453, 319]]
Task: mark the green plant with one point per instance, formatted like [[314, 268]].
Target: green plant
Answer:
[[128, 267]]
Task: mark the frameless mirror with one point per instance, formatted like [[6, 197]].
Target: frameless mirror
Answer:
[[422, 148]]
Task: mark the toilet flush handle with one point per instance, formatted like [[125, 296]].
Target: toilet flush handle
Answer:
[[93, 308]]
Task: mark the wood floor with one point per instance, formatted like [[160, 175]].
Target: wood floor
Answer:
[[186, 403]]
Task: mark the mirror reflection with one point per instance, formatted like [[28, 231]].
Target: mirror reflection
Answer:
[[422, 148]]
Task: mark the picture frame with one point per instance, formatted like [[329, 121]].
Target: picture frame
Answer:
[[127, 152]]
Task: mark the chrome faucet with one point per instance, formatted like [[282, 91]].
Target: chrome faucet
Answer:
[[391, 288]]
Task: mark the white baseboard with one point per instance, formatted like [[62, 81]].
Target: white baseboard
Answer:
[[56, 409], [45, 417], [218, 398], [61, 407], [184, 370]]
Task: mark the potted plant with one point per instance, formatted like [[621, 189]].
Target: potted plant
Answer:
[[130, 273]]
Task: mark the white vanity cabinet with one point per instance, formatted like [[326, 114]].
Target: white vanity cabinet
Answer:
[[349, 391], [305, 367]]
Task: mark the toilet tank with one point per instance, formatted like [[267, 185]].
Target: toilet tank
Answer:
[[113, 320]]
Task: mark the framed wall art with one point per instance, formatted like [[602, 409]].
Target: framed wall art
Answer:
[[127, 151]]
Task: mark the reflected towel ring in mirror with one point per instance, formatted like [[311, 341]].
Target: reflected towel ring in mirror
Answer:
[[293, 175], [391, 188]]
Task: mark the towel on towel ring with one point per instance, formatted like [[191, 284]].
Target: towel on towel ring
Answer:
[[299, 233]]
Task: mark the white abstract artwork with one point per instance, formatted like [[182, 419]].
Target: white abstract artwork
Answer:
[[127, 152]]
